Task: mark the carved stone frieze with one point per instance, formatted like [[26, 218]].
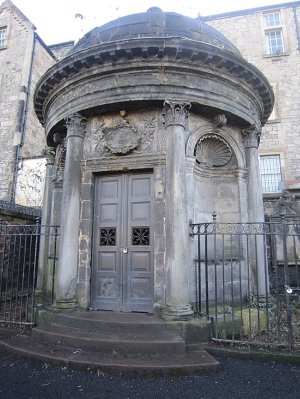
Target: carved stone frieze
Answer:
[[122, 138], [148, 127], [94, 140]]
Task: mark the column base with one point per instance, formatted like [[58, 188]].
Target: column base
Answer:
[[65, 304], [177, 312]]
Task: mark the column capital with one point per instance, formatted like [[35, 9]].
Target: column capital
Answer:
[[76, 125], [49, 153], [251, 136], [176, 113]]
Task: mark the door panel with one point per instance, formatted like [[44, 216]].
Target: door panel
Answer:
[[122, 272], [107, 260]]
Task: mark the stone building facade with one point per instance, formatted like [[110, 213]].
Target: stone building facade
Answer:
[[24, 58], [269, 38]]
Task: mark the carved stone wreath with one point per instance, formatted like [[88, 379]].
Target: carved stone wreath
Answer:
[[212, 151], [121, 139]]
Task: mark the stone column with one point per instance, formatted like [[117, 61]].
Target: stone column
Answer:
[[60, 142], [66, 274], [257, 256], [53, 247], [177, 305], [45, 222]]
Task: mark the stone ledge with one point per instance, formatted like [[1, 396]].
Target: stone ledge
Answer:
[[195, 362], [152, 48]]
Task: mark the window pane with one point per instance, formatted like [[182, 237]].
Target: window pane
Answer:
[[270, 173], [274, 42], [2, 37], [272, 19]]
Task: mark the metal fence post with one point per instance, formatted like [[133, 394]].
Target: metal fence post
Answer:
[[206, 271], [284, 228], [54, 263], [214, 216], [35, 261]]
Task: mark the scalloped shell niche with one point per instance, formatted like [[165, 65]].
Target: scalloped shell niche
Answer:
[[213, 151]]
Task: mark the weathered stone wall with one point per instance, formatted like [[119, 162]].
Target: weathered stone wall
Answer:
[[61, 50], [20, 70], [11, 62], [34, 139], [281, 135], [18, 214], [15, 220]]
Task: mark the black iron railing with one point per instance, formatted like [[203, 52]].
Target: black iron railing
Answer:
[[19, 257], [247, 281]]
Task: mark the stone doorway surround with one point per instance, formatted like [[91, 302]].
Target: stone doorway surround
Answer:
[[91, 170]]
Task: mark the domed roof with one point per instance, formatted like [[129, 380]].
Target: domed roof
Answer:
[[154, 23], [147, 58]]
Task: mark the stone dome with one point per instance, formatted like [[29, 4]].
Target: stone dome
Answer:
[[154, 23], [147, 58]]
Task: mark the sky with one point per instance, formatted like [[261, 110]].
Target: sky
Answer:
[[56, 20]]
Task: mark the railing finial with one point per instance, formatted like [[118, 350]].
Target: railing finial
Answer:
[[214, 215]]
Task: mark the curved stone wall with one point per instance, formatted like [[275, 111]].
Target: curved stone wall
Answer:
[[136, 71]]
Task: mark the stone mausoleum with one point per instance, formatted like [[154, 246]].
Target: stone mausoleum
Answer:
[[152, 120]]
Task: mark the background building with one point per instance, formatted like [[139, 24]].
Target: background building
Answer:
[[24, 58], [268, 37]]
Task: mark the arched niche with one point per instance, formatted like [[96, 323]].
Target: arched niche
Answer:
[[218, 178]]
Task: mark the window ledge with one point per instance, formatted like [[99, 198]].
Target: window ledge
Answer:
[[276, 55], [3, 47], [273, 121]]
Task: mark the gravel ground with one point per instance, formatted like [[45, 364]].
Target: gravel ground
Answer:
[[20, 379]]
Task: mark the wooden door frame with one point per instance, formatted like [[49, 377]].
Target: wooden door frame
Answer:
[[124, 288], [91, 168]]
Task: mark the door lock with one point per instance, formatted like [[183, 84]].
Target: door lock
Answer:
[[124, 250]]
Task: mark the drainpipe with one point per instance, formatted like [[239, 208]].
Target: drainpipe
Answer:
[[23, 103], [296, 23]]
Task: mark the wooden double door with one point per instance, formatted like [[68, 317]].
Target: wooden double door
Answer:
[[122, 266]]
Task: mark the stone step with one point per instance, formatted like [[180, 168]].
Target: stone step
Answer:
[[113, 322], [195, 362], [124, 323], [103, 341]]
